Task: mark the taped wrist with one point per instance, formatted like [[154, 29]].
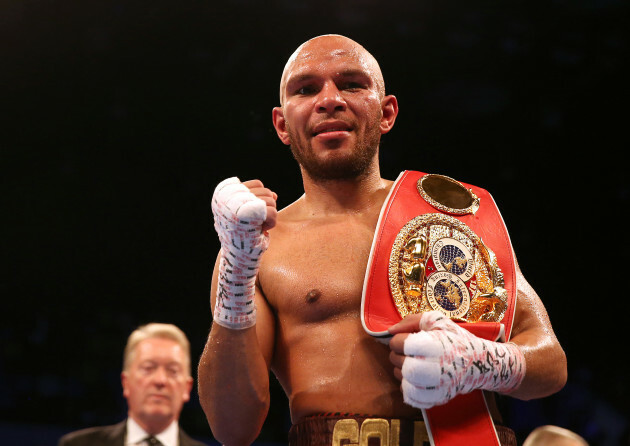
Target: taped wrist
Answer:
[[238, 218], [445, 360]]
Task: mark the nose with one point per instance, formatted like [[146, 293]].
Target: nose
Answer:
[[329, 99], [159, 377]]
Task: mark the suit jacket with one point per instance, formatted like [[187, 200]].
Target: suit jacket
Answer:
[[112, 436]]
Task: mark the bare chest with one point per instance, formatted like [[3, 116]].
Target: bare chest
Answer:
[[314, 272]]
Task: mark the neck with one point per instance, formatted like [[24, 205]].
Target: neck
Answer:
[[344, 195]]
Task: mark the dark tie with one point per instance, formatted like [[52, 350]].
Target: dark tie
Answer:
[[153, 441]]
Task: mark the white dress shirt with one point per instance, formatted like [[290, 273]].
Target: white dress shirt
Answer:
[[136, 435]]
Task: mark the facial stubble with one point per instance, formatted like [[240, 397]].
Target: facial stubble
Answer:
[[336, 166]]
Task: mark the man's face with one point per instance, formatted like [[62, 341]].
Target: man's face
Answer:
[[332, 95], [157, 382]]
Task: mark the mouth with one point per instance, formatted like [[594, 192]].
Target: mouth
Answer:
[[331, 128]]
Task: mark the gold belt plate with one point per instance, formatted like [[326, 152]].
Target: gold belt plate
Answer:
[[438, 263]]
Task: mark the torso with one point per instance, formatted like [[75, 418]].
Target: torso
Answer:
[[312, 276]]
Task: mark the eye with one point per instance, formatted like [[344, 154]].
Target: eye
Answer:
[[306, 90], [147, 368], [352, 86]]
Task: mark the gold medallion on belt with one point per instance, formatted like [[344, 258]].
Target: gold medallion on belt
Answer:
[[438, 263]]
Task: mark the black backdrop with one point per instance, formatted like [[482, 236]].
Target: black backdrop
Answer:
[[121, 116]]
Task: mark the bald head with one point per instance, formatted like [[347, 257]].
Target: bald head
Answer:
[[332, 46], [553, 436]]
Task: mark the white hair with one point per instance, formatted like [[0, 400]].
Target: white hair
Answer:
[[156, 330]]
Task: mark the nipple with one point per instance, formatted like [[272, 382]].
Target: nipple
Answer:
[[312, 296]]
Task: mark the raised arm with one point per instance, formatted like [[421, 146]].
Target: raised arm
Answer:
[[233, 373]]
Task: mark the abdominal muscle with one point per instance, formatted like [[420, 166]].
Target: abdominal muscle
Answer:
[[337, 367]]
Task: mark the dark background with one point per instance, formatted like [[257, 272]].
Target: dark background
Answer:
[[120, 117]]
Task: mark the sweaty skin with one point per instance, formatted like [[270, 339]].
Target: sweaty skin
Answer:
[[308, 291]]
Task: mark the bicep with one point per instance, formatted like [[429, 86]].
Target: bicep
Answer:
[[532, 332], [265, 326]]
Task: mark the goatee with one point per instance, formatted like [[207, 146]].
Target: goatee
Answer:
[[336, 166]]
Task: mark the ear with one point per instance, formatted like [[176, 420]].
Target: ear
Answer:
[[389, 106], [280, 124], [124, 379], [188, 388]]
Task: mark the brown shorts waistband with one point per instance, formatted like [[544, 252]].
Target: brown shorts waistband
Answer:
[[341, 430]]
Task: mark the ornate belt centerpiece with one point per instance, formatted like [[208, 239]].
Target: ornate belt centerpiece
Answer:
[[438, 263]]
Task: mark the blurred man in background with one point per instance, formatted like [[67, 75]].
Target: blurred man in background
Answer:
[[156, 383]]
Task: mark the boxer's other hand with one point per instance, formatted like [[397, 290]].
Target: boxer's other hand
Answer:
[[436, 360], [400, 331]]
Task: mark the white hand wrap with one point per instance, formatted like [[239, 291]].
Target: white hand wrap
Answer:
[[444, 360], [238, 218]]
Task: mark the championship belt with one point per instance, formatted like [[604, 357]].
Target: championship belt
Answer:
[[442, 245]]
